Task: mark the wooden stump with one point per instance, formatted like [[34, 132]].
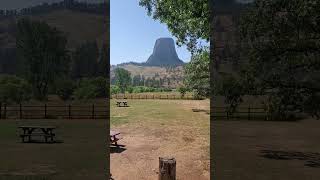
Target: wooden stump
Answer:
[[167, 168]]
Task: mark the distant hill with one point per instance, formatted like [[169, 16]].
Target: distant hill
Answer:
[[163, 68], [80, 22]]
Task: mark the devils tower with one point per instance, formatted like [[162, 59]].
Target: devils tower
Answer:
[[164, 54]]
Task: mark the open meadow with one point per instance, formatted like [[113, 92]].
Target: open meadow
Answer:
[[159, 128]]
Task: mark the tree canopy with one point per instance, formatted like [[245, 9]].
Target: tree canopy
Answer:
[[281, 40], [188, 20], [123, 79], [44, 52]]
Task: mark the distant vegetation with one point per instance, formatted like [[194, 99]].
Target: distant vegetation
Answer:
[[39, 63], [97, 8]]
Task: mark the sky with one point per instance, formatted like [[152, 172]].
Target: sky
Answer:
[[133, 33]]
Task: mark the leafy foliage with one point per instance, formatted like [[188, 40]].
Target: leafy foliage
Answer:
[[65, 88], [123, 79], [43, 49], [198, 74], [188, 20], [183, 90], [14, 89], [282, 42], [85, 60]]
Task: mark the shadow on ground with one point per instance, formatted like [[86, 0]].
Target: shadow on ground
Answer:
[[311, 159], [42, 142], [117, 149]]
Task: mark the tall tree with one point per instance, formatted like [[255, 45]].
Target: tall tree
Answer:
[[43, 49], [85, 60], [123, 79], [282, 42], [197, 74], [103, 61]]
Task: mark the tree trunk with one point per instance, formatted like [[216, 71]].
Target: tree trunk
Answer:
[[167, 168]]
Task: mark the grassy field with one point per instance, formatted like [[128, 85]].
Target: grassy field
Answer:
[[79, 154], [154, 128]]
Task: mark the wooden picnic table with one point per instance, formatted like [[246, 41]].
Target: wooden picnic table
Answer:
[[125, 103], [45, 131], [114, 137]]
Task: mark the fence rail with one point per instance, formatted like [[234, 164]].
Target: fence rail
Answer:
[[151, 96], [53, 111], [240, 113]]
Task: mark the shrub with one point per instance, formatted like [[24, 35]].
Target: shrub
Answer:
[[65, 88], [14, 89]]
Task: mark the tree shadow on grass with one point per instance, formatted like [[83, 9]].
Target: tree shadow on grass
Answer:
[[311, 159], [117, 149]]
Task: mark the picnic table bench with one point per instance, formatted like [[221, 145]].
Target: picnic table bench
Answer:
[[114, 137], [29, 131], [119, 102]]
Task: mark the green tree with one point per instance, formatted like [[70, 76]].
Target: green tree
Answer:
[[65, 88], [183, 90], [188, 20], [14, 89], [114, 89], [197, 74], [281, 42], [103, 63], [44, 52], [85, 61], [86, 90], [123, 79], [101, 86]]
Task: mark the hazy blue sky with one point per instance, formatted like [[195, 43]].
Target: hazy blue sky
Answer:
[[133, 33]]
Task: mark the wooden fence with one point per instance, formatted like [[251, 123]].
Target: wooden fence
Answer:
[[248, 113], [53, 112], [151, 96]]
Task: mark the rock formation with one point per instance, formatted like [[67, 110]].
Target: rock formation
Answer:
[[164, 54]]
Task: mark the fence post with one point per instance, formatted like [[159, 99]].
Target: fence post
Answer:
[[69, 109], [45, 111], [249, 113], [167, 168], [20, 110], [92, 111]]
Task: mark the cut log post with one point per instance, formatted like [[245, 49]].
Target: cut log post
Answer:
[[167, 168]]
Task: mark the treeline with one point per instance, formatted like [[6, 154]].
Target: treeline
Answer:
[[87, 60], [155, 81], [41, 64], [146, 64], [96, 8]]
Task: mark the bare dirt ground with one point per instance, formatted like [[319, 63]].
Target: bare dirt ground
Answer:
[[263, 150], [167, 128]]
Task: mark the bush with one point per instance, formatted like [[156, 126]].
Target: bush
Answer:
[[91, 88], [183, 90], [14, 89], [64, 88], [101, 86], [114, 89]]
